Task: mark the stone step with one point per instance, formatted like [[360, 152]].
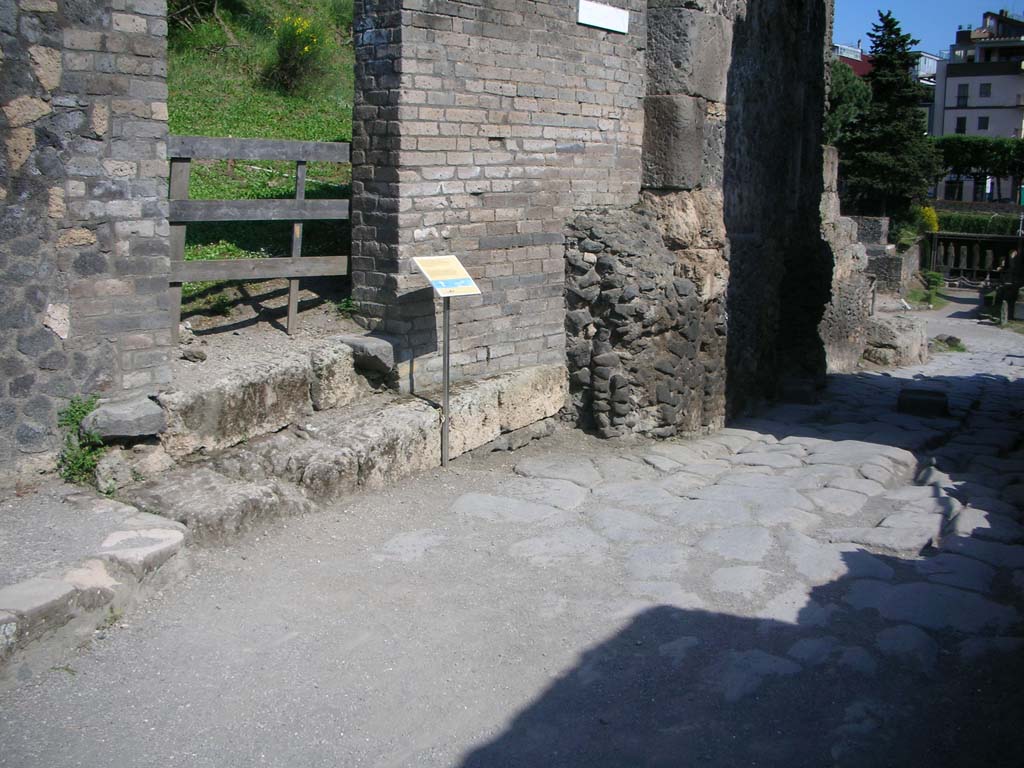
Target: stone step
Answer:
[[265, 395], [366, 445]]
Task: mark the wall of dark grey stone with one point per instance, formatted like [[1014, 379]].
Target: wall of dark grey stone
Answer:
[[501, 119], [83, 214]]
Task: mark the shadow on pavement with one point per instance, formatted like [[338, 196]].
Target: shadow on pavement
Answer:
[[682, 687]]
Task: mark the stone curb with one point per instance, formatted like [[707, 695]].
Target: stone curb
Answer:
[[48, 614], [342, 451]]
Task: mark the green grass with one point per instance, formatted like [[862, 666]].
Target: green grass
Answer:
[[217, 88], [939, 346], [920, 296], [81, 451]]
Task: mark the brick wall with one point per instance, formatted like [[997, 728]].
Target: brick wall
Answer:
[[478, 129], [83, 229]]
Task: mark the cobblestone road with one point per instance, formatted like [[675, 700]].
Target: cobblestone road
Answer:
[[833, 584]]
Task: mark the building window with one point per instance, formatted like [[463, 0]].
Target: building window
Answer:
[[982, 123], [962, 93], [961, 125], [985, 89], [954, 190]]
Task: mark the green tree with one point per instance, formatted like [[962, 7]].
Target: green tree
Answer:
[[886, 160], [848, 99]]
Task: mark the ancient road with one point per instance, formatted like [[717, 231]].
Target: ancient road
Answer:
[[752, 598]]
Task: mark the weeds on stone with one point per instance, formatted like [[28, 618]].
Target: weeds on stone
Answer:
[[81, 451], [345, 307]]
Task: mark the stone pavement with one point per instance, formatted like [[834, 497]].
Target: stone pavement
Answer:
[[831, 584]]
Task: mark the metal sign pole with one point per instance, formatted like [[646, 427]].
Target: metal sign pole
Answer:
[[447, 362]]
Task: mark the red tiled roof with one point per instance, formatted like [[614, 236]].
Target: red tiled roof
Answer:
[[860, 67]]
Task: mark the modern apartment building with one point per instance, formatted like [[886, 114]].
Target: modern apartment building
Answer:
[[979, 91]]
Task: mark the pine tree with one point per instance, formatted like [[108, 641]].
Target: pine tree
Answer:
[[848, 98], [886, 160]]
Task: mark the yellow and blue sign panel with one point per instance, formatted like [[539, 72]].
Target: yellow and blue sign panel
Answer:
[[447, 275]]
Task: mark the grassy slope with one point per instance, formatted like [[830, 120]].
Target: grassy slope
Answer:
[[216, 90]]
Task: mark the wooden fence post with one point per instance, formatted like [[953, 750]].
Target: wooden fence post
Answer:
[[293, 284], [180, 170]]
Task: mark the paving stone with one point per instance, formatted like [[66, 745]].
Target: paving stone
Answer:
[[684, 454], [700, 515], [897, 540], [662, 463], [711, 470], [823, 563], [747, 543], [552, 493], [566, 467], [837, 501], [668, 593], [932, 606], [813, 651], [926, 524], [855, 658], [906, 640], [798, 520], [743, 672], [763, 459], [617, 469], [753, 498], [975, 522], [743, 478], [637, 495], [996, 507], [680, 483], [656, 561], [857, 485], [993, 553], [741, 580], [504, 509], [1013, 494], [409, 546], [978, 647], [40, 604], [735, 443], [957, 571], [914, 493], [795, 606], [677, 650], [877, 474], [816, 475], [575, 543], [623, 525]]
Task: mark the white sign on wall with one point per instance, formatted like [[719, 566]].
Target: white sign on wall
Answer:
[[603, 16]]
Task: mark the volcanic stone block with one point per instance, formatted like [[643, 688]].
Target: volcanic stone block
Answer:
[[689, 52], [673, 142]]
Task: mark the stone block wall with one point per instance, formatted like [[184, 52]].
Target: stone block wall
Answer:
[[872, 230], [83, 230], [480, 128], [893, 270]]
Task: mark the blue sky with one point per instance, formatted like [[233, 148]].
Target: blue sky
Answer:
[[933, 22]]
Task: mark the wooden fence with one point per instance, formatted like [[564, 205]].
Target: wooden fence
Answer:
[[973, 260], [183, 211]]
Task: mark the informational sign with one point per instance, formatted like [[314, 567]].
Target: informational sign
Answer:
[[603, 16], [447, 275]]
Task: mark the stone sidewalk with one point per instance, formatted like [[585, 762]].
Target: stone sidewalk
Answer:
[[833, 584]]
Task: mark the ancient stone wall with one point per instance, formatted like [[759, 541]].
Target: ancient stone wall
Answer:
[[843, 328], [729, 228], [83, 226], [484, 125], [893, 270], [872, 230]]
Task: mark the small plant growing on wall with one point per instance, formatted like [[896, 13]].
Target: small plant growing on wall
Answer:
[[82, 450], [300, 54]]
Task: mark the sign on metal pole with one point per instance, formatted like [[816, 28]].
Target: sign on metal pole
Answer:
[[448, 278]]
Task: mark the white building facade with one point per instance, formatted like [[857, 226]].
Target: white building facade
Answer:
[[979, 91]]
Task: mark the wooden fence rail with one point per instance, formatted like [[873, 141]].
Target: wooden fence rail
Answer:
[[183, 211]]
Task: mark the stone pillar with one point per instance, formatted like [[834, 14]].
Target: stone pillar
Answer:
[[83, 229], [479, 128]]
